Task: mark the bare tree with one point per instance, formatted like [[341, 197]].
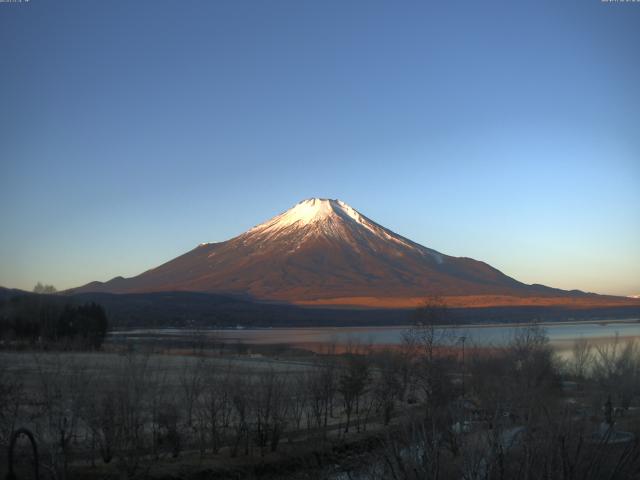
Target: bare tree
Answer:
[[62, 391], [132, 379], [581, 358], [299, 401], [616, 367], [99, 416], [157, 393], [414, 453], [191, 382], [169, 423], [426, 345], [44, 289], [429, 330], [12, 402], [271, 407], [533, 370], [322, 387], [352, 383], [216, 407], [240, 399], [388, 384]]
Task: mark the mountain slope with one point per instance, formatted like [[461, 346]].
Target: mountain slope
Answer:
[[322, 250]]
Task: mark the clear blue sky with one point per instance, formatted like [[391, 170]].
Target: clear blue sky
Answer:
[[130, 131]]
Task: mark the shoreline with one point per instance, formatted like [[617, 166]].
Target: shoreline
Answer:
[[603, 322]]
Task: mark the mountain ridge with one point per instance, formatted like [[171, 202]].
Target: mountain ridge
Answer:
[[323, 250]]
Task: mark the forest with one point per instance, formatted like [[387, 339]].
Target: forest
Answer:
[[51, 321]]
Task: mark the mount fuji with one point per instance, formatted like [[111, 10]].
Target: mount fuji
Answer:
[[324, 252]]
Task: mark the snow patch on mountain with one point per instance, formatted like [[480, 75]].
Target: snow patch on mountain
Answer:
[[316, 215], [312, 211], [329, 218]]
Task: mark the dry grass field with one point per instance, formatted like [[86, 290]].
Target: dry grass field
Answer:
[[356, 413], [478, 301]]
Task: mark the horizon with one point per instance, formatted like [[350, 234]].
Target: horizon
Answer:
[[304, 220], [500, 132]]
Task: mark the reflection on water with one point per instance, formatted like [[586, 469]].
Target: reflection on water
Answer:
[[561, 335]]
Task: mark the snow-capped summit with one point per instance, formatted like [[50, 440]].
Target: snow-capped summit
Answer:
[[313, 210], [325, 218], [321, 250]]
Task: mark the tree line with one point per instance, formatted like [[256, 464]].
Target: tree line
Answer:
[[52, 320]]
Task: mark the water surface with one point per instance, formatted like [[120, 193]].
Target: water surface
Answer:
[[561, 335]]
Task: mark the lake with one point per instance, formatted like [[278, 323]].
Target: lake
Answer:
[[561, 335]]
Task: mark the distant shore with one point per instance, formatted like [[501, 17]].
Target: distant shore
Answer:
[[119, 331]]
